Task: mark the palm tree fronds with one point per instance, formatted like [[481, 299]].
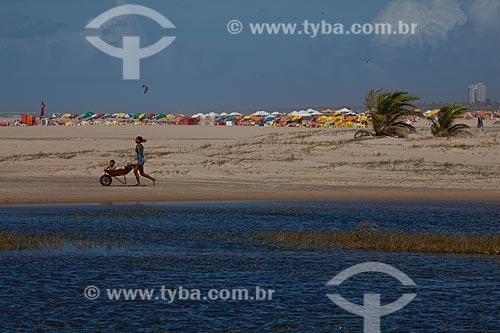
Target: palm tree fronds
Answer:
[[388, 111], [443, 125]]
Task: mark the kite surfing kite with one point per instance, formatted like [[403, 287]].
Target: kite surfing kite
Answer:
[[146, 88]]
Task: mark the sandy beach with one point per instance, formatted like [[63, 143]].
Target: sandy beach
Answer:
[[63, 164]]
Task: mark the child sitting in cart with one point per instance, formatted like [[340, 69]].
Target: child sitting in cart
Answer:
[[111, 166], [111, 171]]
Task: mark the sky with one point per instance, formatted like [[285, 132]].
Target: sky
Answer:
[[44, 55]]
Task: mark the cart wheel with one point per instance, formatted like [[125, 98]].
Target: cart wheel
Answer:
[[105, 180]]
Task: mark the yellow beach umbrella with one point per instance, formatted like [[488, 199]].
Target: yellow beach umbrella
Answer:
[[432, 113]]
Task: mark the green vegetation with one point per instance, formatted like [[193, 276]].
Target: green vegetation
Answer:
[[387, 111], [19, 242], [40, 155], [444, 125], [366, 236], [372, 239], [127, 213]]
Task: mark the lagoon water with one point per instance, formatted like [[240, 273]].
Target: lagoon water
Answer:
[[204, 246]]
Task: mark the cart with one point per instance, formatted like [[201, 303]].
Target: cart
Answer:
[[107, 178]]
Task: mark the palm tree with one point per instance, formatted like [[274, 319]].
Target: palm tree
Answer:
[[443, 125], [387, 111]]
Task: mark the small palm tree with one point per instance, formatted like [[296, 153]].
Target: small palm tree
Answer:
[[443, 124], [387, 111]]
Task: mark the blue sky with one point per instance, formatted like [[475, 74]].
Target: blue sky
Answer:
[[44, 55]]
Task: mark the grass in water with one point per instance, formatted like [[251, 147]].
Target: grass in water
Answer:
[[19, 242], [366, 236], [372, 239], [130, 213]]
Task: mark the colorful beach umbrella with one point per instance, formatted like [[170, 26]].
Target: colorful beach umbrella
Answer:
[[88, 114]]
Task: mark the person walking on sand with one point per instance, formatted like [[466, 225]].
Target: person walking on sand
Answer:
[[139, 167]]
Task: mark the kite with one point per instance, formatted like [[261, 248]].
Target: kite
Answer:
[[146, 88]]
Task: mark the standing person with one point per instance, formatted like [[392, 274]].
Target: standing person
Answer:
[[139, 167], [479, 122]]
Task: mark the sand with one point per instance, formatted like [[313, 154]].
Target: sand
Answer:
[[213, 163]]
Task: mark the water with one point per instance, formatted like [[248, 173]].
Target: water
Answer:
[[10, 115], [201, 246]]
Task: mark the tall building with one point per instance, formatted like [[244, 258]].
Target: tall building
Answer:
[[477, 93]]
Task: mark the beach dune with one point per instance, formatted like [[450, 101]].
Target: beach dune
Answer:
[[63, 164]]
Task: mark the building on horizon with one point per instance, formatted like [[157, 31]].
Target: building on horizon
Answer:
[[477, 93]]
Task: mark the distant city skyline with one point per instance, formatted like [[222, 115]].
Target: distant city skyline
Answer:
[[44, 55], [477, 93]]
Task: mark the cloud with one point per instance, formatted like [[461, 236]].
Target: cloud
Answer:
[[113, 30], [33, 43], [484, 13], [436, 19], [14, 26], [22, 36]]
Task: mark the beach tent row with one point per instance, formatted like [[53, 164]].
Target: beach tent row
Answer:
[[151, 116], [310, 117], [236, 118]]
